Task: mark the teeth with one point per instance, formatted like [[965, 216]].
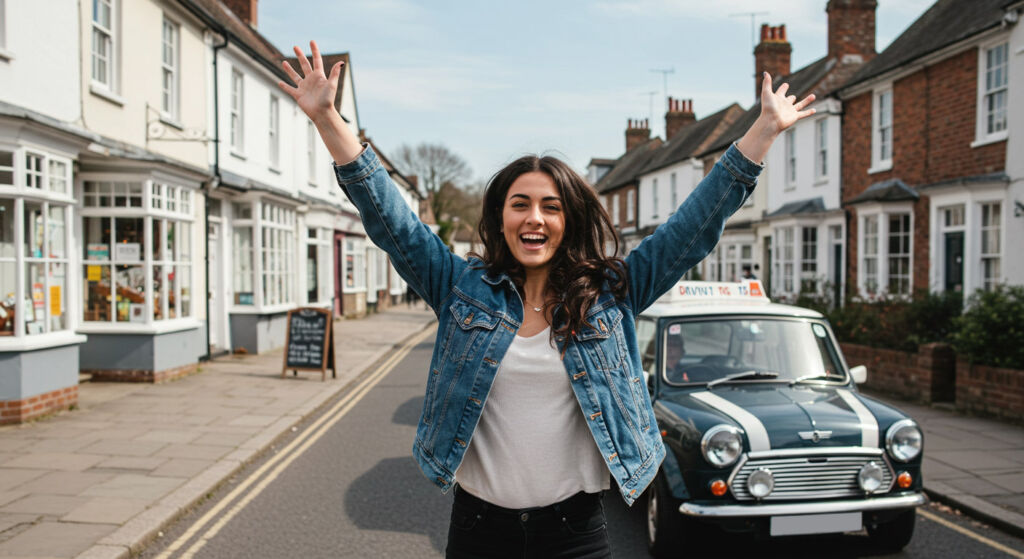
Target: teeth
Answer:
[[533, 237]]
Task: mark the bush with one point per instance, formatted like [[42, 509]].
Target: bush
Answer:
[[991, 331], [896, 323]]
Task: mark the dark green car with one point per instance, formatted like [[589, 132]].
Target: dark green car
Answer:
[[765, 429]]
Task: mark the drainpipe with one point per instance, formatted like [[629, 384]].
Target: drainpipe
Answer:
[[213, 184]]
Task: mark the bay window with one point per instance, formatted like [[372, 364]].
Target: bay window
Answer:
[[277, 225], [990, 245], [355, 265], [886, 255], [809, 260], [318, 265]]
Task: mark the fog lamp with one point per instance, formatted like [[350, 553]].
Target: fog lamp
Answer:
[[760, 483], [718, 488], [904, 480], [870, 477]]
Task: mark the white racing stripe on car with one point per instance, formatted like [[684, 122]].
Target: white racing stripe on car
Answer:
[[756, 433], [868, 423]]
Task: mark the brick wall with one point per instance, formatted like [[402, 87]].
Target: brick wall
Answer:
[[925, 376], [934, 116], [990, 390], [19, 411], [142, 375]]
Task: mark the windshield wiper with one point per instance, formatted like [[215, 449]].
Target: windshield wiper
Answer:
[[746, 375], [825, 376]]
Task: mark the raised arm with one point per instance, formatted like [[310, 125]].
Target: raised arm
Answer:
[[419, 256], [695, 228]]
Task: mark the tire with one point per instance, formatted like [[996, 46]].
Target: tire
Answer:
[[895, 534], [667, 530]]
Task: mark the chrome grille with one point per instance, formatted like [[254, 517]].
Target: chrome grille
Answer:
[[809, 477]]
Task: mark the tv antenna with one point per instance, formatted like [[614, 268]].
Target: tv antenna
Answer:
[[753, 39]]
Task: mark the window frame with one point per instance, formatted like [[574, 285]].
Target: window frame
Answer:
[[170, 99], [790, 153], [274, 133], [110, 82], [878, 163], [354, 247], [809, 259], [631, 206], [821, 149], [236, 112], [982, 134], [4, 53], [883, 215], [988, 282], [654, 198], [311, 142]]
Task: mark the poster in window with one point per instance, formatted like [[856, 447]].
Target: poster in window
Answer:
[[93, 273], [38, 301], [97, 251], [55, 301], [128, 251], [137, 312]]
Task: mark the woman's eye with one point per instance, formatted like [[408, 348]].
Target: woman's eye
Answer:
[[554, 208]]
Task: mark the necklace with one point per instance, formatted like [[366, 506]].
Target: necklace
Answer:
[[537, 309]]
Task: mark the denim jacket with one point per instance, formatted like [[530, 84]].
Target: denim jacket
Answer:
[[479, 314]]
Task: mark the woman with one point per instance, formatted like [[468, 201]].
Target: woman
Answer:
[[541, 329]]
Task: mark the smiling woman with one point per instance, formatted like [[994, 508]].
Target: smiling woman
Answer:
[[541, 328]]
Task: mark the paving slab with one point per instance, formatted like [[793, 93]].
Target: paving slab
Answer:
[[57, 505], [106, 510], [64, 483], [55, 539]]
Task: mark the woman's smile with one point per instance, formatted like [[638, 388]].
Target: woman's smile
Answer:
[[533, 220]]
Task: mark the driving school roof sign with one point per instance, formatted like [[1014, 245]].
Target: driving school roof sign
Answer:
[[708, 291]]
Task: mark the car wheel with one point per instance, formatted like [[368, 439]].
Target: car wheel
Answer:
[[667, 531], [895, 534]]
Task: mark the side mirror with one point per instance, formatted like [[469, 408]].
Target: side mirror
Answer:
[[859, 374]]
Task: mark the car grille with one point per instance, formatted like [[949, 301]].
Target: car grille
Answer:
[[809, 477]]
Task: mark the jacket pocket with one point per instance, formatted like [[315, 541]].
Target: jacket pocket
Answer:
[[603, 339], [472, 321]]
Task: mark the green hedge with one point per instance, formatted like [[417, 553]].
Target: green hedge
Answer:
[[991, 331]]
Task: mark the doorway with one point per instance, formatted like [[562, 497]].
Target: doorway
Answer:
[[954, 257]]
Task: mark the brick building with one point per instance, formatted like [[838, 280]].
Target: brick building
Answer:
[[924, 159]]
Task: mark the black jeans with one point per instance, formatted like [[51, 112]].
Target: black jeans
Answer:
[[573, 528]]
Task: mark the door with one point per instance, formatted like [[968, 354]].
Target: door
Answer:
[[339, 273], [215, 322], [954, 267], [837, 274]]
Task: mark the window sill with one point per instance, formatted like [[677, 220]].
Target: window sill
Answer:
[[820, 181], [238, 155], [40, 341], [880, 167], [252, 309], [990, 139], [6, 55], [356, 290], [312, 185], [172, 122], [106, 94], [161, 327], [274, 170]]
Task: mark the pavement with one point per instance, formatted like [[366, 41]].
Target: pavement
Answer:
[[101, 481]]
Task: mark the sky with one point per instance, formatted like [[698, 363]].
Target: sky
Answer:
[[493, 80]]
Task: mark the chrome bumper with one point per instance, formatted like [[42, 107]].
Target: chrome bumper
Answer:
[[785, 509]]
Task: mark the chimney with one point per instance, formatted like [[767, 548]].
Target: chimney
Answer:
[[638, 131], [851, 30], [244, 9], [771, 55], [679, 115]]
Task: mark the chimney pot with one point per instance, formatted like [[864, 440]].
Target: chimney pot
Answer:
[[772, 55], [764, 31]]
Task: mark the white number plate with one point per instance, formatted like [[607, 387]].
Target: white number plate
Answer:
[[816, 523]]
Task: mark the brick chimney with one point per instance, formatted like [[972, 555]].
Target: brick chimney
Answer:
[[771, 55], [679, 115], [244, 9], [638, 131], [851, 30]]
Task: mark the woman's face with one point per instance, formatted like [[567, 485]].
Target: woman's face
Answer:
[[533, 220]]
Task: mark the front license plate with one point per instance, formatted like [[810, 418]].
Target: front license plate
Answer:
[[816, 523]]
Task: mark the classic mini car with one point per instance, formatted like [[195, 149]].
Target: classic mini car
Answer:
[[764, 427]]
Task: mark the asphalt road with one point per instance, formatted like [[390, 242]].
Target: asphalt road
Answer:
[[344, 484]]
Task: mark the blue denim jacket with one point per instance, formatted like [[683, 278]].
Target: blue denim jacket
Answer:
[[480, 313]]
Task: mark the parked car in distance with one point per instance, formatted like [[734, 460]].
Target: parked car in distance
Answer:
[[765, 429]]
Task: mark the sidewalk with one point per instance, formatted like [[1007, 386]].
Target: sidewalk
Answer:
[[973, 464], [100, 481]]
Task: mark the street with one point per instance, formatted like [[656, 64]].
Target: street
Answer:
[[343, 484]]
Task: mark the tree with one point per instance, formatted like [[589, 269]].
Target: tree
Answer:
[[444, 175]]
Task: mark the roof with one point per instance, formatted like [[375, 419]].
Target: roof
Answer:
[[891, 190], [627, 168], [601, 161], [804, 81], [721, 309], [691, 138], [945, 23], [967, 181], [809, 206]]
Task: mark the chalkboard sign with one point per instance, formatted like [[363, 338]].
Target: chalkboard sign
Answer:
[[309, 345]]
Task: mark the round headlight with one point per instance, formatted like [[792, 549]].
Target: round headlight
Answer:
[[903, 440], [870, 477], [721, 445], [760, 483]]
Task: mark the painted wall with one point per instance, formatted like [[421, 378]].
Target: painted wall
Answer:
[[808, 184], [20, 378], [39, 74], [1013, 265]]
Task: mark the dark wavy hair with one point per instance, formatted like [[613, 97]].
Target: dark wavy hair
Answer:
[[580, 268]]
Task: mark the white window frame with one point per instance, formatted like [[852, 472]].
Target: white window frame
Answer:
[[616, 217], [809, 260], [988, 283], [311, 139], [274, 134], [170, 64], [321, 243], [790, 146], [631, 206], [674, 195], [821, 148], [354, 247], [982, 134], [879, 163], [654, 199], [870, 287], [237, 112], [883, 214], [4, 53], [109, 80]]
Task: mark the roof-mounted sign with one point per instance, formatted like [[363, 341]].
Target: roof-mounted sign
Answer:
[[708, 291]]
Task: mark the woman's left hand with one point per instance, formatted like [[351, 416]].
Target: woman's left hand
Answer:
[[778, 109]]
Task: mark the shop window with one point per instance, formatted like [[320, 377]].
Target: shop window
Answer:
[[242, 284], [6, 168], [355, 265]]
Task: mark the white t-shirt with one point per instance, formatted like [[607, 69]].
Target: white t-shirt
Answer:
[[532, 446]]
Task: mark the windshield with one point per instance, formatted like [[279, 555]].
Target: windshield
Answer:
[[707, 350]]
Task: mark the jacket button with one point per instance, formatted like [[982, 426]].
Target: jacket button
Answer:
[[524, 517]]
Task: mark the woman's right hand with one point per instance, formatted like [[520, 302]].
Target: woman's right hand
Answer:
[[314, 92]]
